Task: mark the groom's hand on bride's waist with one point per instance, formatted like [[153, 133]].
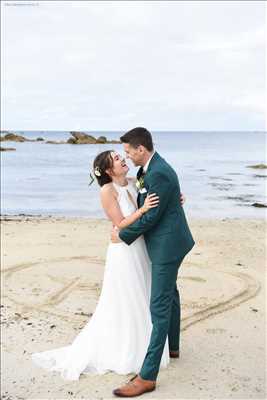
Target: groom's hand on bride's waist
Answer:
[[115, 235]]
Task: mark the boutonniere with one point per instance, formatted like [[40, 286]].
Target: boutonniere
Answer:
[[140, 183]]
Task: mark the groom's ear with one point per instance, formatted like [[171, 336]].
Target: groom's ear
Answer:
[[141, 149]]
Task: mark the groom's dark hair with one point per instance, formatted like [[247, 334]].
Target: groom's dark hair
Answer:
[[138, 136]]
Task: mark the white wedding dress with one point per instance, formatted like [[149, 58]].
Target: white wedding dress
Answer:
[[117, 336]]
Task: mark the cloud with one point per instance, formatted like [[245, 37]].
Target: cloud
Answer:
[[244, 41], [111, 65]]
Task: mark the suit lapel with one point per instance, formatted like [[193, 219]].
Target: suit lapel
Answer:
[[139, 173], [138, 200], [153, 161]]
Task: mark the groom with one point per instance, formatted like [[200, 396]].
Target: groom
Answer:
[[168, 240]]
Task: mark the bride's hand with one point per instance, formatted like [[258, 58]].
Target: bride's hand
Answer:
[[151, 201], [114, 236], [182, 199]]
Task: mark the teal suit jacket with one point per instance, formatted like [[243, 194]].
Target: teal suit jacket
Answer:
[[165, 229]]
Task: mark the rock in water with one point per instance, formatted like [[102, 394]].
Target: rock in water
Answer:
[[55, 142], [7, 148], [71, 140], [115, 141], [101, 139], [83, 138], [104, 140], [259, 205], [258, 166], [12, 137]]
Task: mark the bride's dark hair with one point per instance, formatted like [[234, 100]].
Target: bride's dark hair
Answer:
[[102, 162]]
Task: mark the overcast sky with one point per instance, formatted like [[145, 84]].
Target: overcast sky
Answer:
[[166, 65]]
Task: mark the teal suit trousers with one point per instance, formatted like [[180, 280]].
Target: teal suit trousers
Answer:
[[166, 315]]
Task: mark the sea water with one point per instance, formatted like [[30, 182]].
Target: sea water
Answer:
[[212, 167]]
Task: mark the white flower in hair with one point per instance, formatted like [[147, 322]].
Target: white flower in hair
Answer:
[[97, 171]]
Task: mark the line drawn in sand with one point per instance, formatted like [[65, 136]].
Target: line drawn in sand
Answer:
[[249, 289]]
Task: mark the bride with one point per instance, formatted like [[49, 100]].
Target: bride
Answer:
[[117, 336]]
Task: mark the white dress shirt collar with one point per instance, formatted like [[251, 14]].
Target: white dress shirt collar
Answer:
[[145, 167]]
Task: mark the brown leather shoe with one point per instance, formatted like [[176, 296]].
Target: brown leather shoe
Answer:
[[135, 387], [174, 354]]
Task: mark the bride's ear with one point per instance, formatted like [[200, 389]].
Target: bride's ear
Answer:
[[109, 172]]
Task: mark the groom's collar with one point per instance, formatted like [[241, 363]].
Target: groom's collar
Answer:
[[145, 167], [155, 156], [153, 159]]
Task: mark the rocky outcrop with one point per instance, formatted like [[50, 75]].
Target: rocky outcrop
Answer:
[[115, 141], [13, 137], [7, 148], [101, 139], [259, 205], [77, 138], [84, 138], [55, 142], [258, 166], [71, 140]]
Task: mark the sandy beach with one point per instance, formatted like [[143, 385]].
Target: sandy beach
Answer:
[[52, 270]]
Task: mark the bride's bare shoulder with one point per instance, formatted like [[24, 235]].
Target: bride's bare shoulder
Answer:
[[107, 190]]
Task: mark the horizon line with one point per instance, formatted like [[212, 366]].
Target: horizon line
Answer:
[[123, 130]]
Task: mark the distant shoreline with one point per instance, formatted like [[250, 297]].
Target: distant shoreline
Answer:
[[33, 217]]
